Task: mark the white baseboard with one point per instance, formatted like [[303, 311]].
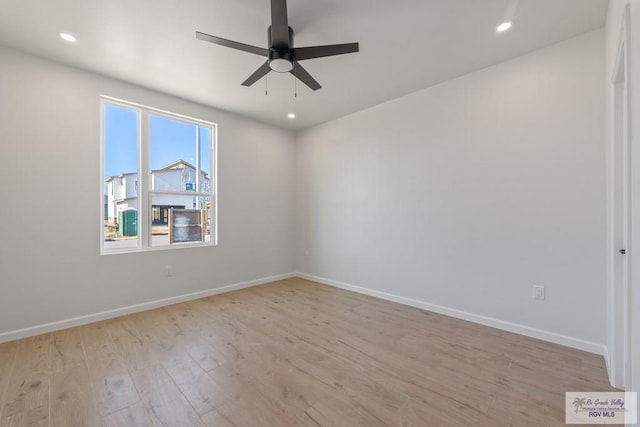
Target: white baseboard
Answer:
[[476, 318], [616, 378], [607, 363], [528, 331], [109, 314]]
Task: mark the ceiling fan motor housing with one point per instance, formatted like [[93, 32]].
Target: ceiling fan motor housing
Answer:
[[280, 58]]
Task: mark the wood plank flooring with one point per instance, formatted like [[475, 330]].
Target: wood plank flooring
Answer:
[[289, 353]]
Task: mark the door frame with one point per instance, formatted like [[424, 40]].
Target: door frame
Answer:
[[619, 215]]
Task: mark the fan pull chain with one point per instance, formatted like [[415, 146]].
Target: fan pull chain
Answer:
[[295, 80], [266, 85]]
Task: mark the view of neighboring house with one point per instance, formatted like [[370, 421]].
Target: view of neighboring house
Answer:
[[122, 194], [122, 191]]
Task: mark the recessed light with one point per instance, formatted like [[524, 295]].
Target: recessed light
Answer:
[[503, 27], [291, 116], [68, 37]]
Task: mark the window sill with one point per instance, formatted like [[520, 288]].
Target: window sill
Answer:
[[156, 248]]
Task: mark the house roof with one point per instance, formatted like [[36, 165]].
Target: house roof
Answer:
[[178, 164], [170, 166], [175, 165], [112, 177]]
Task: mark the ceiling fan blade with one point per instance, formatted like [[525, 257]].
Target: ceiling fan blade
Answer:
[[257, 75], [302, 53], [279, 24], [234, 45], [302, 75]]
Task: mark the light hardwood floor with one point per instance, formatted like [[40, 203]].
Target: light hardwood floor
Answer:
[[290, 353]]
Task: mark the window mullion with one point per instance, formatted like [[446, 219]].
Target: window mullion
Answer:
[[180, 193], [198, 189]]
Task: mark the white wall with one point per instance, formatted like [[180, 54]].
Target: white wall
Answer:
[[467, 194], [50, 266]]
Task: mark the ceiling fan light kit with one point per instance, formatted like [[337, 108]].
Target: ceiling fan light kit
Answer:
[[282, 56], [280, 65]]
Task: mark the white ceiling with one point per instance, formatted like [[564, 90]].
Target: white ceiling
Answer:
[[405, 45]]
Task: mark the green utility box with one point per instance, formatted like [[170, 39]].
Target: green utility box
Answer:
[[128, 222]]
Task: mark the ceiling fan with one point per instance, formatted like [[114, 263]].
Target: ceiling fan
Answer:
[[282, 57]]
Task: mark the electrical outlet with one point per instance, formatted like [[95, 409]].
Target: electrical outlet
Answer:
[[168, 271], [538, 292]]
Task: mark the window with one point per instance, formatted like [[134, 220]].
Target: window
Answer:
[[158, 172]]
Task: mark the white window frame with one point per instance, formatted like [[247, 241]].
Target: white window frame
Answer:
[[145, 192]]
